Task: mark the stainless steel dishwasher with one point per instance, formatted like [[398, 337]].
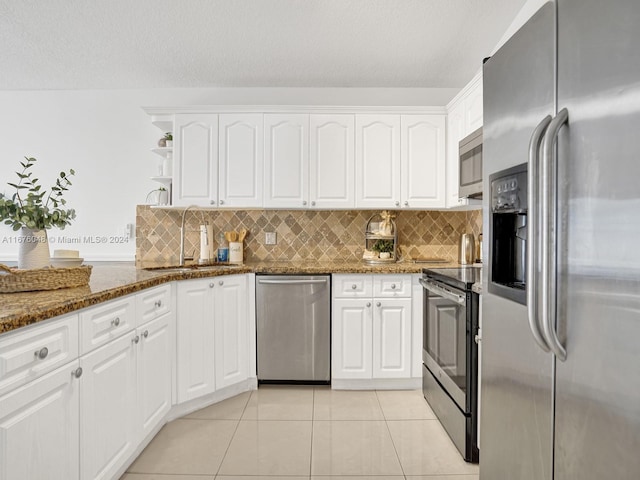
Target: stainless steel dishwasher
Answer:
[[293, 328]]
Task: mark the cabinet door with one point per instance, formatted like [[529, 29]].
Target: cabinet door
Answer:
[[241, 160], [392, 338], [108, 433], [230, 330], [154, 373], [423, 161], [377, 161], [473, 107], [331, 160], [39, 428], [455, 133], [195, 337], [286, 149], [351, 333], [195, 168]]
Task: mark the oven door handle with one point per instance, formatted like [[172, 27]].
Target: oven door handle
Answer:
[[443, 292]]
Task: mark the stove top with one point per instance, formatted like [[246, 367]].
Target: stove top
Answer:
[[459, 277]]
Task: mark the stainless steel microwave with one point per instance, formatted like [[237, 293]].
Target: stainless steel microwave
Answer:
[[470, 164]]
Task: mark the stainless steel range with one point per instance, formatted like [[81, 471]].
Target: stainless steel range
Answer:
[[450, 353]]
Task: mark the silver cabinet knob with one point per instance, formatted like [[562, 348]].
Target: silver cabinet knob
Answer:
[[221, 202], [135, 339], [212, 202], [406, 204], [354, 286], [115, 322], [368, 304], [393, 286], [220, 282], [42, 353], [145, 334], [304, 202], [378, 304], [211, 285], [158, 304], [477, 339], [397, 204], [313, 204], [77, 372]]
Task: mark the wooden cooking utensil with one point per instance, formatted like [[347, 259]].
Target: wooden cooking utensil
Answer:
[[242, 235]]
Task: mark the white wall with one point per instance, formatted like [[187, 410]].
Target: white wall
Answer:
[[525, 13], [106, 138]]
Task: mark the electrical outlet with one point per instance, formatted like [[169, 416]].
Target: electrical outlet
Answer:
[[270, 238]]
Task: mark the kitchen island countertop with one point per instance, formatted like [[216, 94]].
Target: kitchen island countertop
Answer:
[[111, 280]]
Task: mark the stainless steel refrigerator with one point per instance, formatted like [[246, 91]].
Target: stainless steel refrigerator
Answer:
[[561, 353]]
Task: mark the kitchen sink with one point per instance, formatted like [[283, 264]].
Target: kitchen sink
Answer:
[[192, 268]]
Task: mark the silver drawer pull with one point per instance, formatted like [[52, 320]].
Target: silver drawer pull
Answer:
[[220, 282], [354, 286], [135, 339], [42, 353], [378, 304], [115, 322], [158, 303], [211, 285], [77, 372], [393, 286], [368, 304], [145, 333]]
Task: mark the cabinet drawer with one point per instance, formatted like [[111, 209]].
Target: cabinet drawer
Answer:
[[352, 286], [392, 285], [152, 303], [99, 325], [25, 356]]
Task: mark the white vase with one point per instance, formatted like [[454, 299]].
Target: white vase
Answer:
[[33, 251], [167, 166]]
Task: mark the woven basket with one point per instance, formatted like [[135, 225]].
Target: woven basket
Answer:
[[49, 278]]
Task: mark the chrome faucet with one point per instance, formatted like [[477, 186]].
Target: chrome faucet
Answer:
[[182, 232]]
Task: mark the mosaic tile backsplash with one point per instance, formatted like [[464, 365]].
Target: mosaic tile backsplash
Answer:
[[322, 235]]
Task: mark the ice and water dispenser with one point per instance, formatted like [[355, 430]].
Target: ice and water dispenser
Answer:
[[508, 233]]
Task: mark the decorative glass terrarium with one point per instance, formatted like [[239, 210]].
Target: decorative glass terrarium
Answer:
[[381, 239]]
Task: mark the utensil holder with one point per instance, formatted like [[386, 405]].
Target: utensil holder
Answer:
[[236, 252]]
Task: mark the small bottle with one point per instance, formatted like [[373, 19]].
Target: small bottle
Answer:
[[223, 248]]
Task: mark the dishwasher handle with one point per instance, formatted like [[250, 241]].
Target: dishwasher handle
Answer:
[[293, 282]]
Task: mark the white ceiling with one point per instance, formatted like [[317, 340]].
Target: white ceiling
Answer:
[[105, 44]]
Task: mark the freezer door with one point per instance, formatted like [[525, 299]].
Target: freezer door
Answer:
[[517, 375], [598, 386]]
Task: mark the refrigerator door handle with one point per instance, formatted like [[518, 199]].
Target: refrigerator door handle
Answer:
[[549, 232], [533, 234]]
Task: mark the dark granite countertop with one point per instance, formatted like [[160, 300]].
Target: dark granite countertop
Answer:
[[115, 279]]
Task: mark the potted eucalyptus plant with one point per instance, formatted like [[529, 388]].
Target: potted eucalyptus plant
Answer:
[[33, 210], [384, 248]]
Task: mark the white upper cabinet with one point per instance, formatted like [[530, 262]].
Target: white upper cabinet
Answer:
[[464, 115], [423, 161], [195, 169], [286, 176], [331, 160], [377, 161], [241, 160]]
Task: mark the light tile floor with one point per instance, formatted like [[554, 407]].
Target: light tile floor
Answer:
[[305, 433]]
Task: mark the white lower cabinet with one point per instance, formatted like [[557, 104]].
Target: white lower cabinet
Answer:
[[230, 330], [108, 402], [39, 428], [212, 335], [371, 337], [392, 338], [154, 373]]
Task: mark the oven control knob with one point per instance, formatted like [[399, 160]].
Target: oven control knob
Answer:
[[477, 339]]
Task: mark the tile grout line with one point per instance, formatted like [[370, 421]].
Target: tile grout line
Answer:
[[233, 435], [386, 424]]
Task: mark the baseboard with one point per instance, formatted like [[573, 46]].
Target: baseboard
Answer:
[[376, 384]]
